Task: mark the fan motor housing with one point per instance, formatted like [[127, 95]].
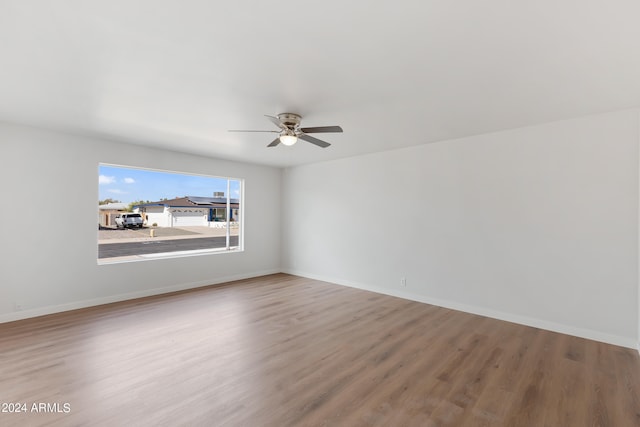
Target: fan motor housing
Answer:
[[290, 120]]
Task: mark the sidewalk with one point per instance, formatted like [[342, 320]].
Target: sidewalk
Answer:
[[113, 235]]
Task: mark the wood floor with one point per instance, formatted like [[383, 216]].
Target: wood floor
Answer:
[[287, 351]]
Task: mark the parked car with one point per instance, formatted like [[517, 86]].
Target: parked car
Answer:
[[129, 220]]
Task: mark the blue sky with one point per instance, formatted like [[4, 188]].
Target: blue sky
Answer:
[[128, 184]]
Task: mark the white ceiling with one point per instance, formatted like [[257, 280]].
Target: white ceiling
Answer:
[[179, 74]]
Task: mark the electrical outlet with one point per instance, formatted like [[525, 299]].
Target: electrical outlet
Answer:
[[403, 281], [17, 306]]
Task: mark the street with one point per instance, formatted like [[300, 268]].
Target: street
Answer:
[[111, 250]]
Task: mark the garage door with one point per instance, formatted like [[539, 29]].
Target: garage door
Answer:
[[185, 218]]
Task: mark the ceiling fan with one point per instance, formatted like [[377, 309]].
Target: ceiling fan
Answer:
[[290, 130]]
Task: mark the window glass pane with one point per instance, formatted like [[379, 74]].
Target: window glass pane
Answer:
[[146, 214]]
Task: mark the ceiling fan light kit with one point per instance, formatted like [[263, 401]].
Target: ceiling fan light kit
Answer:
[[288, 140], [290, 131]]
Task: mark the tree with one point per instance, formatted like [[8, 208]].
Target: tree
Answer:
[[137, 202], [107, 201]]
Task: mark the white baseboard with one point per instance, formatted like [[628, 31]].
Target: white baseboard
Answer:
[[42, 311], [482, 311]]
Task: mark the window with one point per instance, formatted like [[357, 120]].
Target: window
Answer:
[[150, 214]]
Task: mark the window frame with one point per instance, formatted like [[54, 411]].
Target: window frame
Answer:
[[229, 209]]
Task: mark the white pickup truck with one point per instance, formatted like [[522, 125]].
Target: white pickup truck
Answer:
[[129, 220]]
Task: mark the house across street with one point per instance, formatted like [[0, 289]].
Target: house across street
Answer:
[[188, 211]]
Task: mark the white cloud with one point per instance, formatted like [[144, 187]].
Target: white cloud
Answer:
[[104, 180], [129, 180], [116, 191]]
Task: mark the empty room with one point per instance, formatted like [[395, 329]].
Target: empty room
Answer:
[[409, 213]]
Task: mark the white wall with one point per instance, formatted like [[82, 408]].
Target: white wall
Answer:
[[48, 228], [157, 215], [537, 225]]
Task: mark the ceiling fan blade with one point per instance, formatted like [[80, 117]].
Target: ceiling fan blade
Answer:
[[316, 141], [322, 129], [274, 120], [274, 142], [270, 131]]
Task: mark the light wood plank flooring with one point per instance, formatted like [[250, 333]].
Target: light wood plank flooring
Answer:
[[287, 351]]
